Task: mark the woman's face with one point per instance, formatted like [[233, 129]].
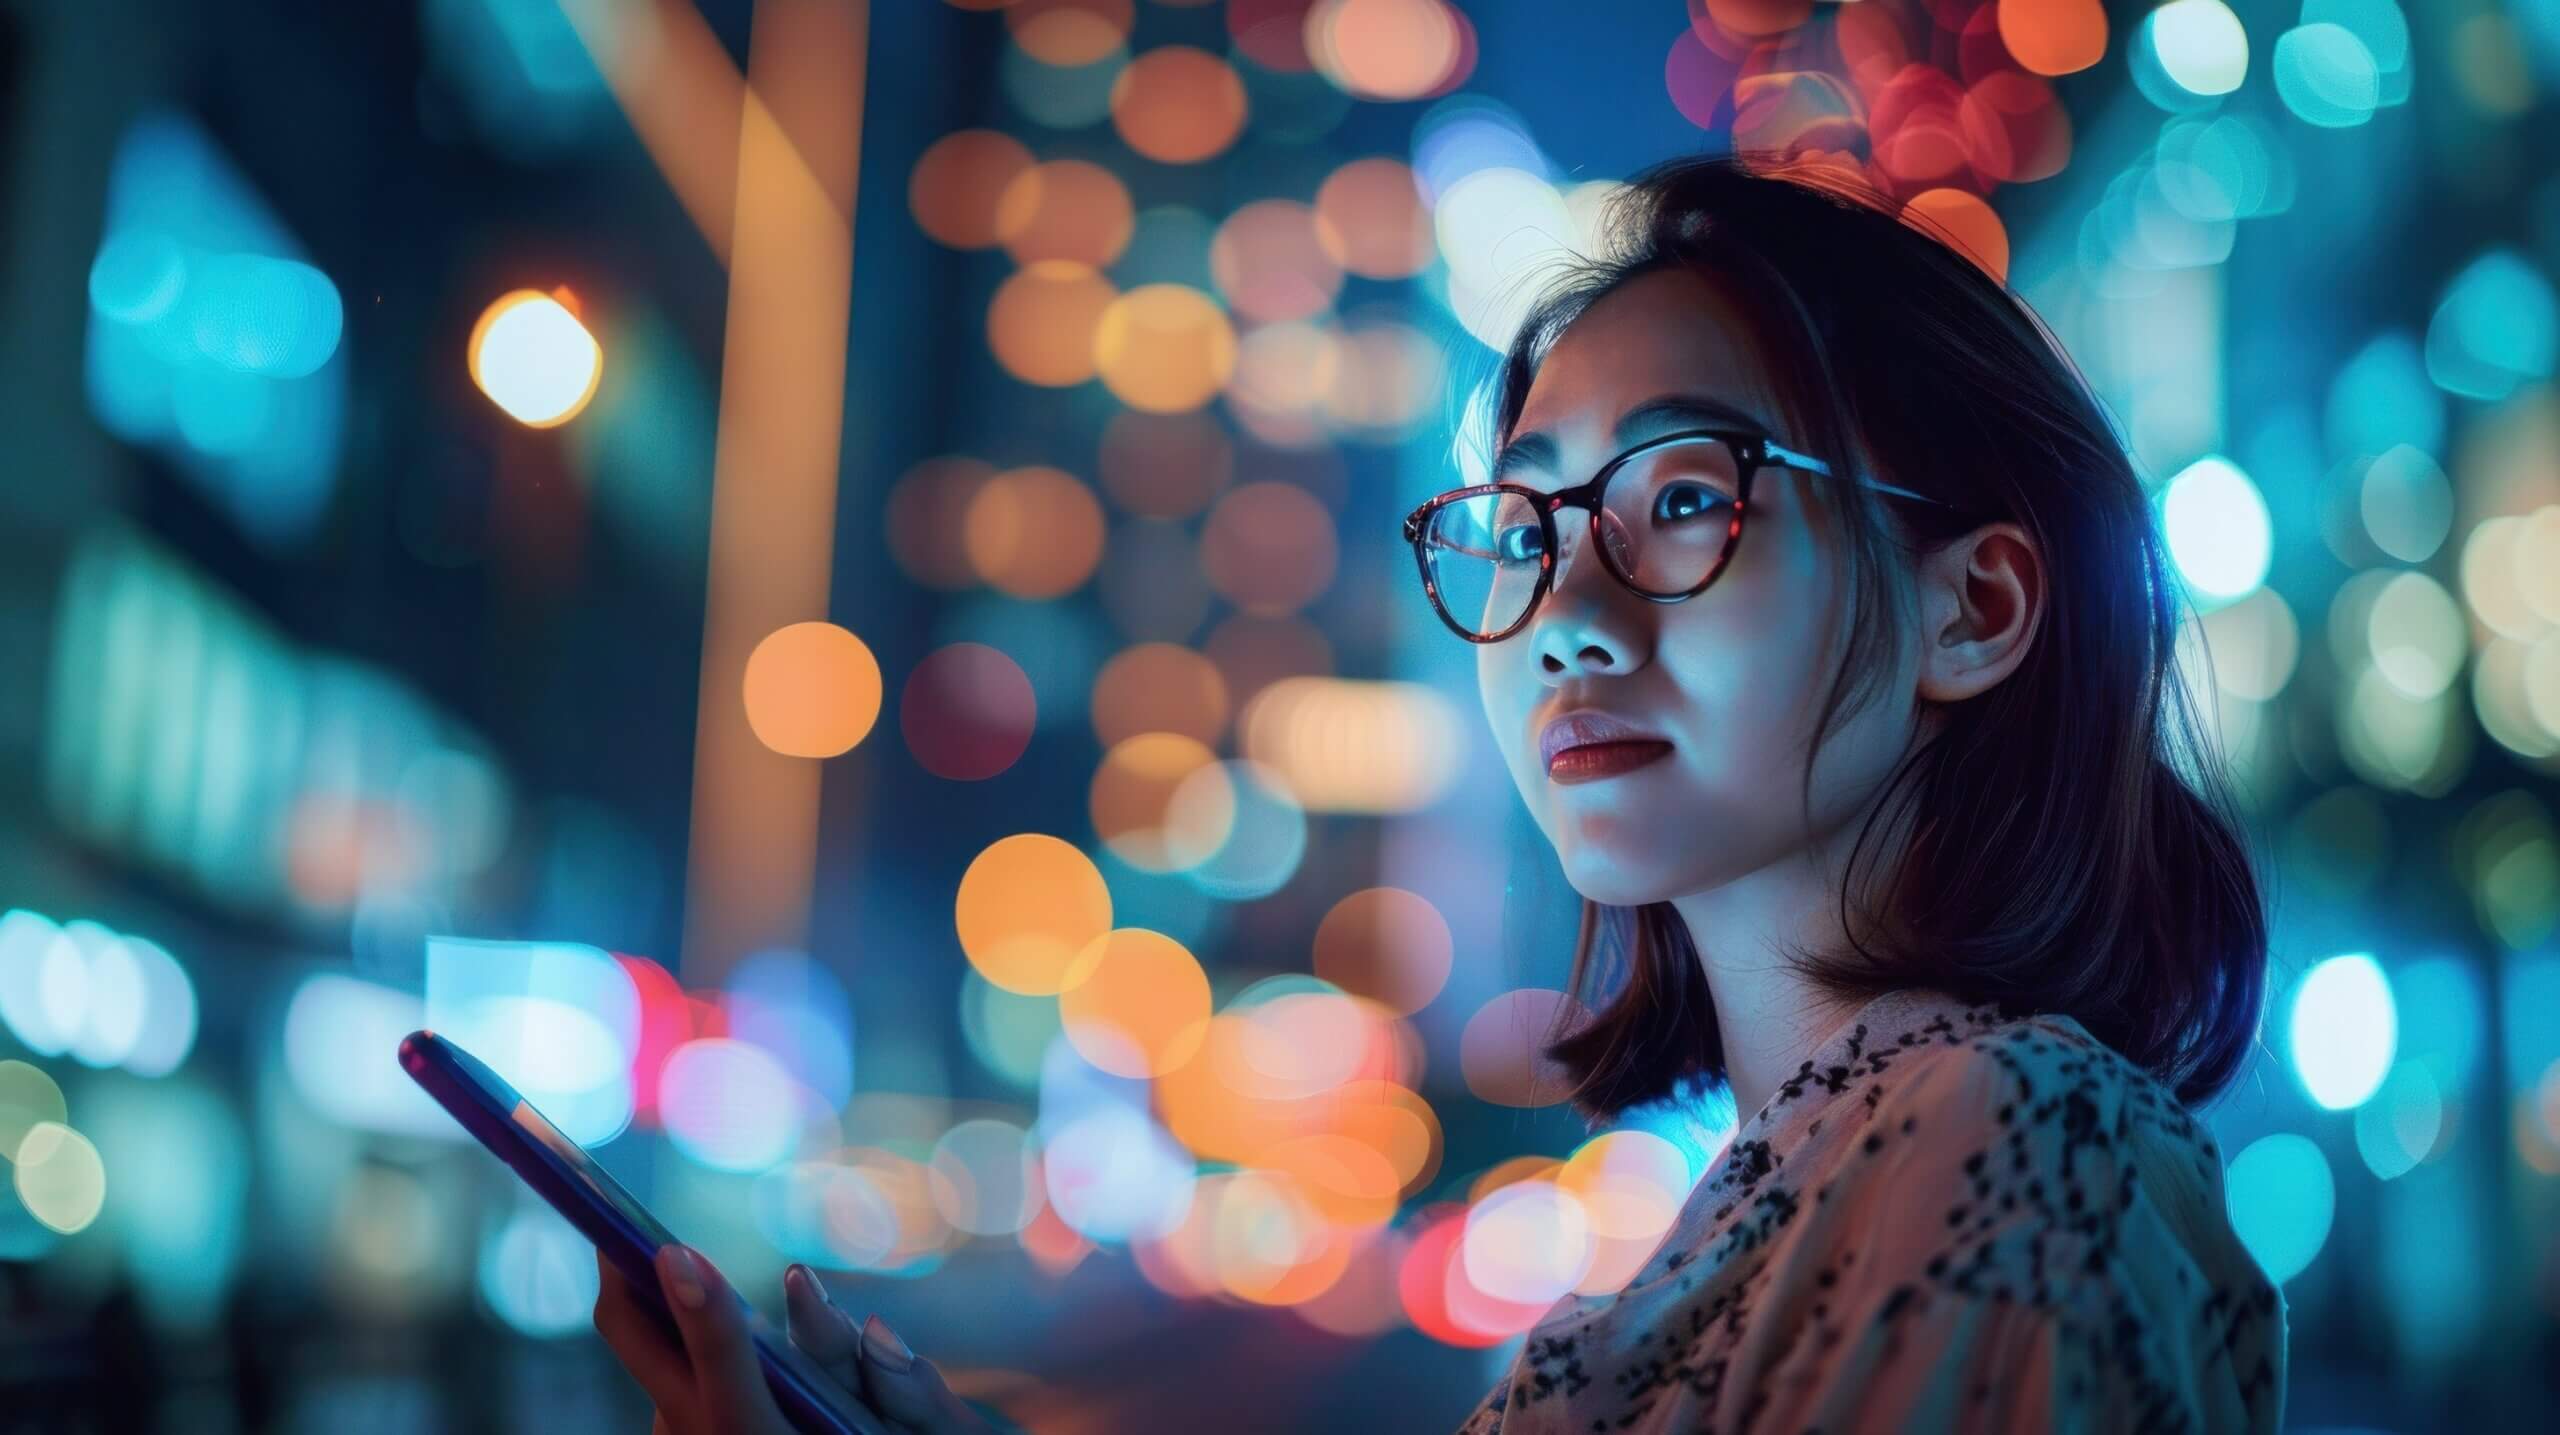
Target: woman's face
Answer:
[[1733, 678]]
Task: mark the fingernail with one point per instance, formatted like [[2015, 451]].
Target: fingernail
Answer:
[[682, 1271], [883, 1345], [809, 1278]]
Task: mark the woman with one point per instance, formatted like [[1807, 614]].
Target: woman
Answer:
[[1889, 817]]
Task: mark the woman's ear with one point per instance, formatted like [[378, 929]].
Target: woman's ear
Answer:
[[1981, 599]]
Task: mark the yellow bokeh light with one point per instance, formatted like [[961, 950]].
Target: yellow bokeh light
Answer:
[[1034, 532], [1355, 746], [812, 690], [1043, 321], [1142, 1006], [60, 1177], [1164, 348], [1132, 803], [1029, 911], [534, 359]]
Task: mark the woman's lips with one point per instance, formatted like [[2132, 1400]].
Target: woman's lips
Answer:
[[1593, 761]]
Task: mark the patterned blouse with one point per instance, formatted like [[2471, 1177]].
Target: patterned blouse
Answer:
[[1951, 1218]]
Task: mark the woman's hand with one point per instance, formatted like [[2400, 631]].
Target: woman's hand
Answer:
[[710, 1384]]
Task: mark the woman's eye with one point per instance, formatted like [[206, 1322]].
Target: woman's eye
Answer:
[[1685, 500], [1519, 543]]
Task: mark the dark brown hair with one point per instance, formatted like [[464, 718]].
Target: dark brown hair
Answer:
[[2069, 846]]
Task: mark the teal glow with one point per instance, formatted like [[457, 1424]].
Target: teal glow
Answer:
[[2383, 31], [2496, 329], [525, 79], [2382, 396], [2186, 54], [181, 1230], [1159, 901], [537, 1273], [2528, 993], [1062, 97], [2442, 1018], [1008, 1032], [2217, 528], [2326, 76], [212, 339], [2344, 1030], [559, 1021], [1264, 843], [2281, 1199]]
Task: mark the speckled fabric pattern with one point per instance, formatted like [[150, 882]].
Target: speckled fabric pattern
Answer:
[[1952, 1217]]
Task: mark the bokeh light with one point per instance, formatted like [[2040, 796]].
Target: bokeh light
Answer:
[[967, 712], [533, 358], [2344, 1029], [2281, 1196], [1029, 909], [1178, 104], [811, 690], [59, 1177], [1033, 532], [1142, 1007]]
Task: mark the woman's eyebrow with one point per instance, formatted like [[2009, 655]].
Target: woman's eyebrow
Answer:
[[1665, 413]]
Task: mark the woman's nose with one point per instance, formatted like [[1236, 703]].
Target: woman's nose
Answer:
[[1586, 624]]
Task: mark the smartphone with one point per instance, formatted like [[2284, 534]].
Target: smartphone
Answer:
[[565, 1175]]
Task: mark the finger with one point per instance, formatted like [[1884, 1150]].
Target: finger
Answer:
[[728, 1384], [821, 1328], [632, 1332], [907, 1387]]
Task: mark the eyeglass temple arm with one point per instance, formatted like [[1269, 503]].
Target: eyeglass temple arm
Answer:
[[1780, 453]]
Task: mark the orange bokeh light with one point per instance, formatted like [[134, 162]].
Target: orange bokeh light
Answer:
[[1142, 1006], [1131, 803], [1371, 219], [1065, 209], [2057, 37], [1964, 222], [1271, 264], [1034, 532], [1029, 911], [1164, 348], [811, 690], [1069, 32], [1178, 104], [958, 182], [1387, 944], [1043, 321], [1159, 687]]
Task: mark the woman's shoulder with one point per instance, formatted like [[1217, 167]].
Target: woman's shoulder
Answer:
[[2031, 1145], [2037, 1090]]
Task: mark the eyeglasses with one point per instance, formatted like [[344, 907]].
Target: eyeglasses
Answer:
[[1668, 513]]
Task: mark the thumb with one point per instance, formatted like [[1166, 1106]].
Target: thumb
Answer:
[[907, 1387], [728, 1383]]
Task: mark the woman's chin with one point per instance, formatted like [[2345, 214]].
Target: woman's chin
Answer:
[[1600, 878]]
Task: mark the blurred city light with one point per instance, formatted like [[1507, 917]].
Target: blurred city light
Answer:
[[2343, 1030], [212, 339], [533, 358]]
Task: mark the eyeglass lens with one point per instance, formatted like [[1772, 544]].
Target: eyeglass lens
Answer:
[[1665, 518]]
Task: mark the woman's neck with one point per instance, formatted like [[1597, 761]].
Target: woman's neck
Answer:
[[1769, 1017]]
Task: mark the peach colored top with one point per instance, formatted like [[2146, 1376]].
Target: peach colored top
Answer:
[[1951, 1218]]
